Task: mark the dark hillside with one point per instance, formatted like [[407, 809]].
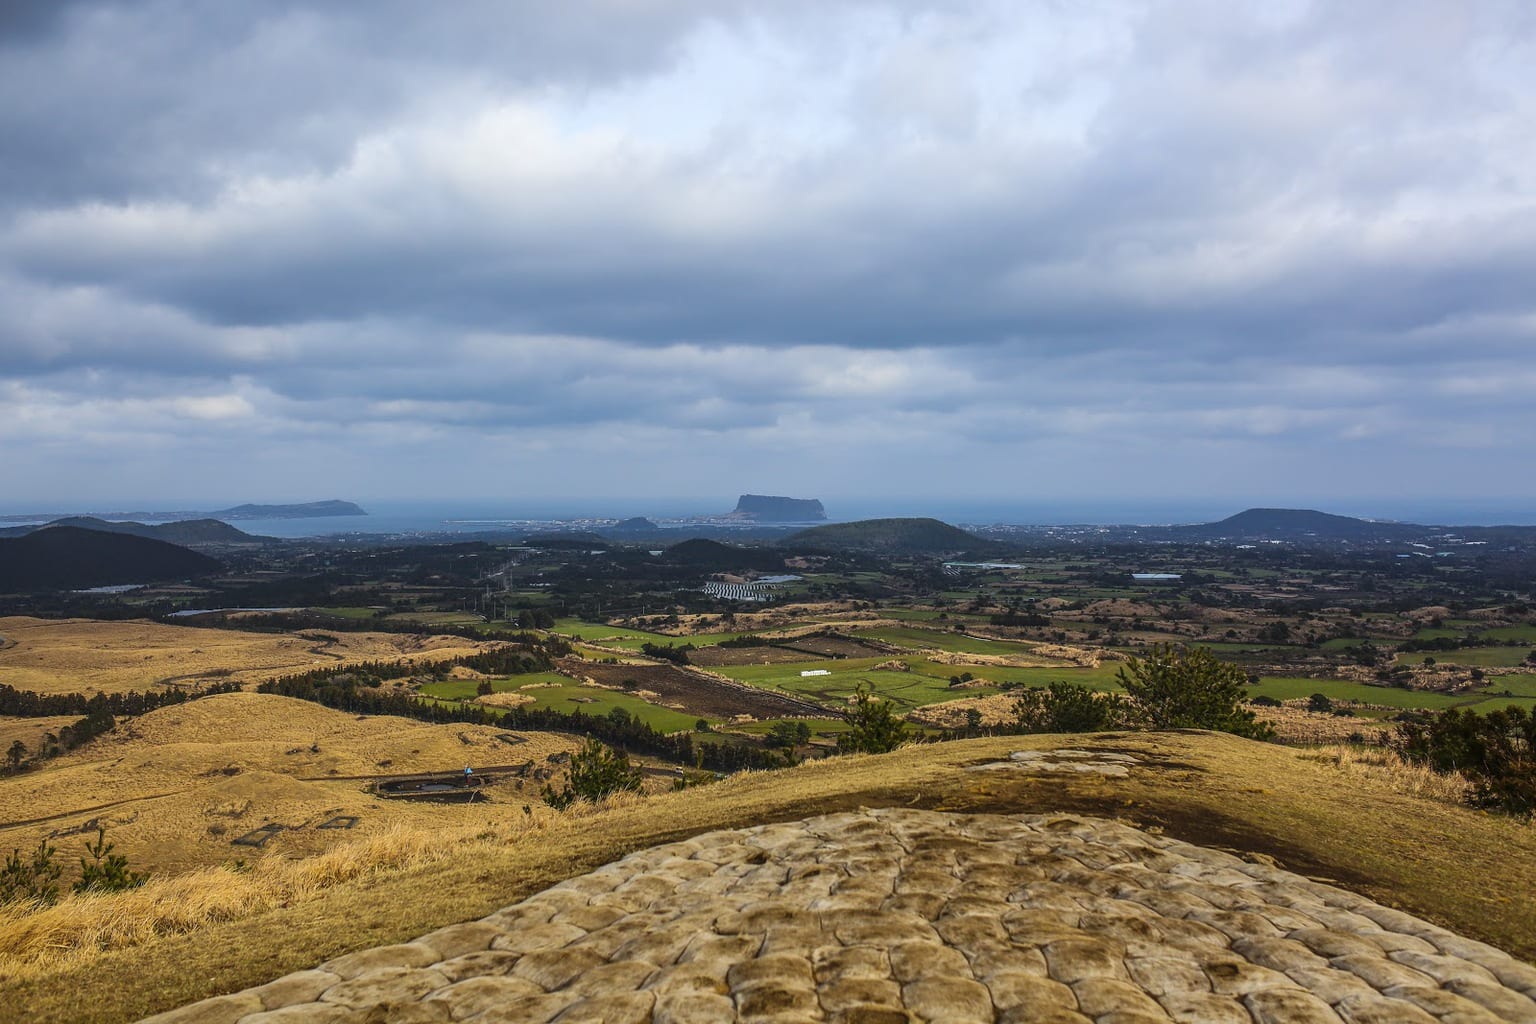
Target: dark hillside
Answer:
[[186, 531], [713, 556], [67, 557], [891, 536], [1297, 523]]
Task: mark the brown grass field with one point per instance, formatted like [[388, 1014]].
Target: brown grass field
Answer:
[[30, 730], [80, 655], [181, 938], [176, 786]]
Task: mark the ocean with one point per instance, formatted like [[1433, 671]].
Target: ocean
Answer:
[[406, 516]]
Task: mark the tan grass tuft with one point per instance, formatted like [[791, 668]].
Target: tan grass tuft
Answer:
[[44, 940], [1386, 766]]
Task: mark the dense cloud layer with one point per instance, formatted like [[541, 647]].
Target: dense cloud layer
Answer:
[[677, 246]]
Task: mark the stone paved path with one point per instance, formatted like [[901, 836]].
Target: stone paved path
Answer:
[[898, 915]]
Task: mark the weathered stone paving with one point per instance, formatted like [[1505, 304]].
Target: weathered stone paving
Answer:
[[899, 915]]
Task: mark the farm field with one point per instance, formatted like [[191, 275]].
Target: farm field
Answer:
[[465, 689], [944, 641], [925, 682], [81, 655], [1293, 688], [595, 700], [699, 695], [632, 639], [561, 693]]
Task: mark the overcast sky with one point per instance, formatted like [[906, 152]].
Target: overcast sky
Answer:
[[1087, 250]]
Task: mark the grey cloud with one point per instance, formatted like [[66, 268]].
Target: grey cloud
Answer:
[[1046, 235]]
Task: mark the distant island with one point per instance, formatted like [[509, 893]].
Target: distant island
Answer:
[[307, 510], [764, 508]]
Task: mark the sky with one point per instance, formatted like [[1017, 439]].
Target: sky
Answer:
[[1031, 251]]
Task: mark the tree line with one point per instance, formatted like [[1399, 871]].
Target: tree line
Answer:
[[31, 704]]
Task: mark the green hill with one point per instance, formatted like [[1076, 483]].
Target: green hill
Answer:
[[891, 536]]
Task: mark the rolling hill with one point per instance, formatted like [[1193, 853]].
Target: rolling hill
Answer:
[[186, 532], [1299, 523], [890, 536], [67, 557]]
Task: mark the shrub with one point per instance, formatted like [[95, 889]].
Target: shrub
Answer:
[[35, 879], [106, 871], [596, 771], [1188, 688], [789, 735], [1067, 707], [873, 726], [1496, 752]]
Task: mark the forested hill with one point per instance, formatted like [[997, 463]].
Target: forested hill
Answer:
[[69, 558], [891, 536], [187, 531], [1295, 523]]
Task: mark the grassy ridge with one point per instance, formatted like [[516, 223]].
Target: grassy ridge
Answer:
[[1317, 818]]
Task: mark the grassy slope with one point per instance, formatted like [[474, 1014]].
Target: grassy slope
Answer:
[[69, 655], [1463, 869]]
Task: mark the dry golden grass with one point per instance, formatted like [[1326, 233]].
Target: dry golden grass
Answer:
[[995, 709], [80, 655], [175, 786], [31, 730], [1296, 725], [504, 700], [72, 932], [1461, 868], [1385, 767]]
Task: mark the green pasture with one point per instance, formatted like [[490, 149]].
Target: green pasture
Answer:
[[1341, 642], [592, 700], [927, 682], [1488, 704], [462, 689], [565, 695], [938, 640], [1292, 688], [1519, 685], [1485, 657], [1526, 633], [919, 614], [634, 639]]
